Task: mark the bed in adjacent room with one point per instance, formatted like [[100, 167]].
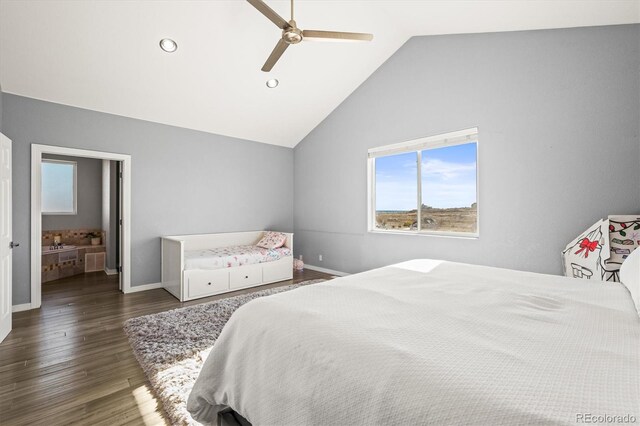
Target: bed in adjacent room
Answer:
[[428, 342]]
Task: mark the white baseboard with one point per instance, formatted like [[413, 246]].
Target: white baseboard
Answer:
[[144, 287], [22, 307], [110, 271], [325, 270]]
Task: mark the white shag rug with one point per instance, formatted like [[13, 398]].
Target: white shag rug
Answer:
[[171, 346]]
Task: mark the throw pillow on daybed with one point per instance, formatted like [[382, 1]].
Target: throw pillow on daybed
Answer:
[[272, 240]]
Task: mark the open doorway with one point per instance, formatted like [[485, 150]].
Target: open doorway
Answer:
[[80, 216]]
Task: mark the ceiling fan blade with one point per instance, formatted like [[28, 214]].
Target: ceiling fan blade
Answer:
[[275, 55], [336, 35], [269, 13]]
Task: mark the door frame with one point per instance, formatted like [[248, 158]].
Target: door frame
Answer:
[[36, 212]]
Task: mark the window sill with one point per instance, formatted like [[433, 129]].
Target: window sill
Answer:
[[457, 235]]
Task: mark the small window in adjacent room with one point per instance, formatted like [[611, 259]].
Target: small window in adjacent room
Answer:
[[426, 186], [59, 187]]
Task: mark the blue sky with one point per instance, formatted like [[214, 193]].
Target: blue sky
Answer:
[[448, 178]]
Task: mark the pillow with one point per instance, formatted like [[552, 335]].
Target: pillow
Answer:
[[630, 276], [272, 240]]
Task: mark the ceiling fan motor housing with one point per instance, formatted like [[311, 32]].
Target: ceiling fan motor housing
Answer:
[[292, 34]]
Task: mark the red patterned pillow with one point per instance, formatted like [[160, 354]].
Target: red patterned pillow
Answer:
[[272, 240]]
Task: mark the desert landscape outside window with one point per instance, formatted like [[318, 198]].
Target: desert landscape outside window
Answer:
[[426, 186]]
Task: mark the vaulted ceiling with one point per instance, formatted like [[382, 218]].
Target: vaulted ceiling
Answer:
[[104, 55]]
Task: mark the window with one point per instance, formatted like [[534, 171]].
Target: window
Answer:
[[426, 186], [59, 187]]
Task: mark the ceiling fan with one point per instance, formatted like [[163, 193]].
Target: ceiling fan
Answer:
[[291, 34]]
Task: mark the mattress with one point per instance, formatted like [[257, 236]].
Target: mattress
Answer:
[[428, 342], [232, 256]]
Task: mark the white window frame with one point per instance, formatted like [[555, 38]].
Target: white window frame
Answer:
[[418, 145], [75, 187]]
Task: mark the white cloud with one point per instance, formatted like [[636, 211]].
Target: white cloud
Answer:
[[443, 195], [396, 195], [433, 167]]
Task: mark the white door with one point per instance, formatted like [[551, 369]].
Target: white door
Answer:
[[5, 237]]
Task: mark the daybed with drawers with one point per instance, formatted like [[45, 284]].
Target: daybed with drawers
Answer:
[[195, 266]]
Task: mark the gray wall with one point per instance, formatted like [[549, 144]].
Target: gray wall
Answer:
[[557, 113], [89, 197], [184, 181]]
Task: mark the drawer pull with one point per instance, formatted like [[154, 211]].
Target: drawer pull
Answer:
[[246, 276], [209, 283]]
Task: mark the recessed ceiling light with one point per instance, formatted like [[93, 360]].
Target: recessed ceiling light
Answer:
[[272, 83], [168, 45]]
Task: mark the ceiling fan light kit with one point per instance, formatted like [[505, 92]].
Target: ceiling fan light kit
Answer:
[[291, 34]]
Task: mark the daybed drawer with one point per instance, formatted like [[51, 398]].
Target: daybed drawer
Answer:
[[245, 276], [279, 270], [203, 283]]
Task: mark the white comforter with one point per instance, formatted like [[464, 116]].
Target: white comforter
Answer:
[[428, 342]]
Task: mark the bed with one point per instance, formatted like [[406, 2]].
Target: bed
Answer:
[[196, 266], [428, 342]]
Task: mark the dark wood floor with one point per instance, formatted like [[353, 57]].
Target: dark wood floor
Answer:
[[70, 361]]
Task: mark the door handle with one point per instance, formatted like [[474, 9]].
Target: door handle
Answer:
[[13, 245]]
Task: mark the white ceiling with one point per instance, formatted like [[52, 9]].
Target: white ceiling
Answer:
[[104, 55]]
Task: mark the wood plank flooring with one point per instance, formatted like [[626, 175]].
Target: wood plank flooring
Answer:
[[70, 363]]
